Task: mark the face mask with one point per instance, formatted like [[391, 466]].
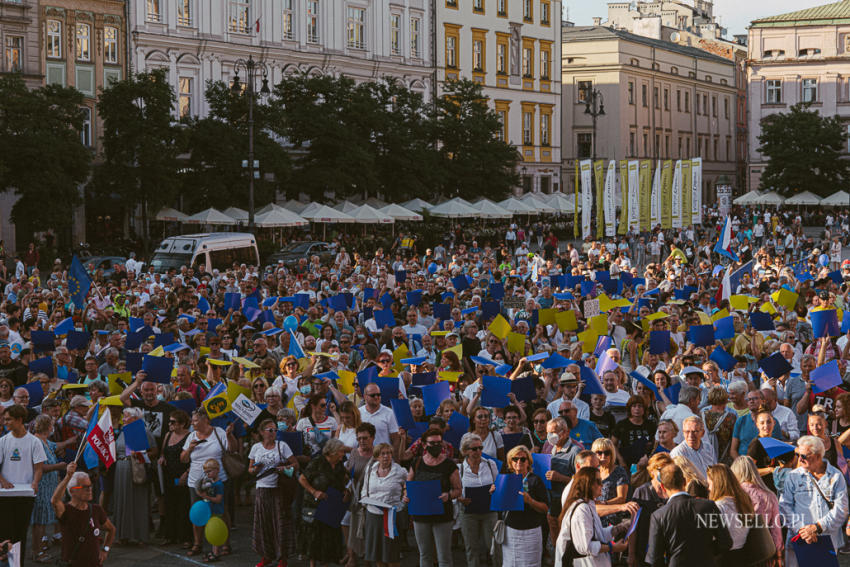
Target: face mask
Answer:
[[305, 390], [160, 397], [288, 471], [281, 426], [573, 338], [361, 336], [553, 438], [434, 451]]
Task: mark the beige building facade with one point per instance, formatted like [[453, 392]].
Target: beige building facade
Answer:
[[662, 101], [512, 48], [801, 56]]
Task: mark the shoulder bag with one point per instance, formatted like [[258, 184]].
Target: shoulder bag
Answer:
[[234, 465], [570, 551]]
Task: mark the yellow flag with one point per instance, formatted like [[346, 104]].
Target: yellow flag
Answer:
[[450, 376], [605, 303], [74, 386], [654, 316], [345, 384], [500, 327], [546, 316], [516, 343], [234, 389], [566, 320], [245, 362], [117, 382], [217, 405], [111, 401], [589, 339], [618, 303]]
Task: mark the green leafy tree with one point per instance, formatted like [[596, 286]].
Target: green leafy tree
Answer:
[[41, 156], [212, 175], [140, 144], [475, 161], [803, 150]]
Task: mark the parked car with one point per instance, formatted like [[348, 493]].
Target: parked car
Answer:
[[294, 251], [106, 264], [205, 252]]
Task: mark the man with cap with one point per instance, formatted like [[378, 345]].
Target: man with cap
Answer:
[[568, 384], [12, 369], [73, 425]]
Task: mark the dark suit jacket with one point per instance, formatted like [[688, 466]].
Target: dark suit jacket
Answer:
[[678, 539]]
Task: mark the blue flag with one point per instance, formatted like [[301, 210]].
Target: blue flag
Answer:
[[294, 348], [79, 282]]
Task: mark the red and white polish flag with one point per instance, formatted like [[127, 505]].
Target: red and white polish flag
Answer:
[[102, 439]]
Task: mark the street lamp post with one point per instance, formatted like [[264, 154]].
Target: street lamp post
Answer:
[[594, 106], [251, 67]]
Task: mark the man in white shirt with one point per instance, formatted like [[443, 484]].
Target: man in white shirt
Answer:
[[784, 416], [569, 393], [382, 417], [688, 406], [613, 393], [693, 448]]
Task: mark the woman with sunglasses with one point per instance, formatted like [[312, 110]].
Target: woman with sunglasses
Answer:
[[538, 435], [480, 425], [176, 524], [523, 543], [615, 478], [315, 424], [258, 389], [272, 460], [476, 523]]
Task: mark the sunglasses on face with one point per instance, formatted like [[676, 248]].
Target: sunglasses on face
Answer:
[[384, 361], [479, 448], [375, 395], [519, 460], [803, 457], [602, 453], [258, 386]]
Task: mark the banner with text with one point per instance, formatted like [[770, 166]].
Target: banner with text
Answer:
[[645, 184], [666, 194], [634, 198], [609, 199], [696, 184], [676, 196], [599, 179], [686, 192], [586, 196]]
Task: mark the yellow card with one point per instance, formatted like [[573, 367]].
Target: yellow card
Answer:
[[234, 389], [399, 353], [203, 351], [111, 401], [546, 316], [599, 324], [767, 308], [117, 382], [217, 405], [739, 302], [217, 362], [785, 298], [457, 349], [566, 320], [605, 303], [675, 302], [516, 343], [720, 315], [245, 362], [74, 386], [589, 338], [345, 384], [618, 303], [158, 351], [703, 318], [654, 316], [450, 376], [439, 333], [500, 326]]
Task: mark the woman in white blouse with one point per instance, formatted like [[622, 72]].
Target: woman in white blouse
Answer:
[[476, 523], [382, 489], [733, 502]]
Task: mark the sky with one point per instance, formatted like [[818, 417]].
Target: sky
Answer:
[[732, 14]]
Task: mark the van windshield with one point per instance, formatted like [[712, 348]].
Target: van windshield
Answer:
[[162, 262]]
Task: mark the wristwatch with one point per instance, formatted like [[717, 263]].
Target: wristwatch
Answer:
[[106, 548]]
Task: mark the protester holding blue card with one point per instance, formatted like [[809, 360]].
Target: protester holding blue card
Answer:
[[523, 542], [319, 541], [477, 476], [130, 498]]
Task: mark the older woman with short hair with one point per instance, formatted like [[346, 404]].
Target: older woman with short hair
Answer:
[[323, 543], [384, 482], [476, 525], [131, 500]]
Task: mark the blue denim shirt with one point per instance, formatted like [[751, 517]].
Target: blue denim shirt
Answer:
[[801, 504]]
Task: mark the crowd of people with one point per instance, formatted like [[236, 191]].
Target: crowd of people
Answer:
[[657, 402]]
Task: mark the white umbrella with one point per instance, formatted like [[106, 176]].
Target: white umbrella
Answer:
[[375, 203], [295, 206], [773, 198], [168, 214], [804, 198], [400, 213], [279, 217], [455, 208], [531, 200], [364, 214], [417, 205], [839, 199], [517, 207], [305, 211], [240, 215], [750, 198], [487, 209], [210, 216], [562, 203], [346, 207], [324, 214], [549, 197]]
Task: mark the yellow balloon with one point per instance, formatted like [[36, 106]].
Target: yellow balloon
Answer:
[[216, 531]]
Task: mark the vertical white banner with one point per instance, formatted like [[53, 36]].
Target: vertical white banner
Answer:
[[609, 199], [586, 196], [634, 197], [676, 201], [655, 198], [696, 191]]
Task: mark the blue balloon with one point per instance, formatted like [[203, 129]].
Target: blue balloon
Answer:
[[290, 323], [432, 268], [823, 259], [200, 513]]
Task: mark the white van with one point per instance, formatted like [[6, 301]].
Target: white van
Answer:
[[206, 251]]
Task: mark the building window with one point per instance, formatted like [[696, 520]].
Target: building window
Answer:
[[528, 61], [85, 131], [848, 137], [632, 141], [688, 146], [451, 4], [643, 101], [655, 100], [478, 55], [545, 128], [501, 57], [809, 52], [478, 6], [680, 147], [667, 146], [14, 54], [184, 13], [631, 93], [239, 16], [415, 36], [502, 8], [503, 120], [312, 21], [153, 11], [545, 10], [666, 99], [395, 34], [726, 107], [645, 144], [657, 143], [584, 90], [527, 128], [714, 106], [678, 100], [545, 61], [357, 28], [584, 145], [185, 101], [288, 17], [705, 104], [83, 42], [528, 10], [810, 90], [110, 44], [451, 51], [687, 102], [54, 39], [774, 91], [714, 149]]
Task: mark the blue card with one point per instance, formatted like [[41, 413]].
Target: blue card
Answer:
[[507, 495], [555, 360], [724, 328], [775, 365], [723, 359], [188, 405], [538, 356], [35, 391], [541, 463], [42, 365], [135, 436], [442, 311], [386, 300], [490, 309], [389, 388], [232, 301], [825, 377], [64, 326], [659, 342], [158, 368], [163, 339], [213, 323], [134, 362], [497, 290], [294, 439], [820, 553], [701, 335], [825, 323], [460, 283], [646, 382], [403, 415], [366, 376], [499, 463], [495, 394], [480, 496], [761, 321], [43, 341], [414, 297], [775, 447], [511, 440], [301, 300], [400, 276], [424, 378], [424, 498], [523, 389], [77, 340], [384, 318], [433, 395], [332, 509], [672, 392], [592, 385], [458, 422]]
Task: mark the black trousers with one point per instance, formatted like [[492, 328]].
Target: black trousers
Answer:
[[15, 520]]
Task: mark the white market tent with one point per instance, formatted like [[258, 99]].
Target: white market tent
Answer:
[[804, 198], [278, 217], [210, 216], [375, 203], [346, 207], [532, 201], [364, 214], [400, 213], [487, 209], [750, 198], [773, 199], [295, 206], [517, 207], [306, 211], [167, 214], [839, 199], [455, 208], [562, 203], [324, 214], [417, 205], [240, 215]]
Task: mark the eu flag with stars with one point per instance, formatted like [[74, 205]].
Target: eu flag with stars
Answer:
[[79, 283]]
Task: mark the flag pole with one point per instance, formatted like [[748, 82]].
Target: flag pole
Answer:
[[80, 448]]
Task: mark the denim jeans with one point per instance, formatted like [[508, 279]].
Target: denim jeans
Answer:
[[477, 534], [430, 536]]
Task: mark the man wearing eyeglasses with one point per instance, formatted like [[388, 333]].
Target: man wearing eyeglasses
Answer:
[[382, 417], [569, 393], [814, 498]]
